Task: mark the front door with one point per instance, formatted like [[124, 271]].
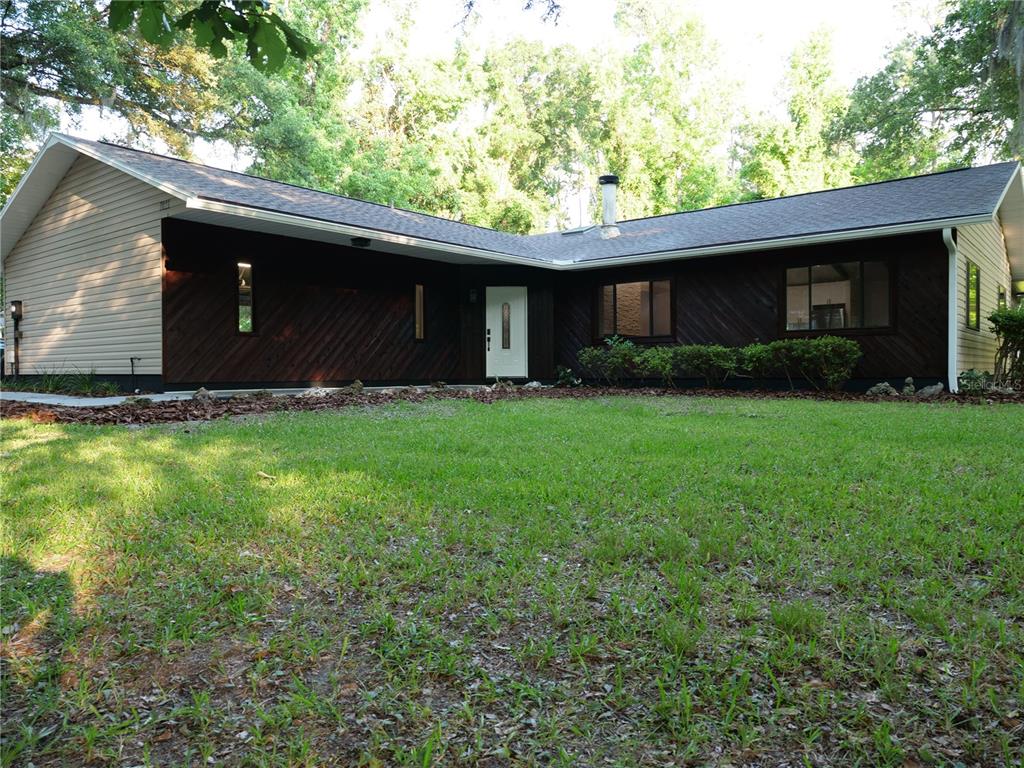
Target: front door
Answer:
[[505, 332]]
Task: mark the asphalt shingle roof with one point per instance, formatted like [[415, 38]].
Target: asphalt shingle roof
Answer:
[[935, 197]]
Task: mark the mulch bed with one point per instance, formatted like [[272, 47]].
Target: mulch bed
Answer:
[[205, 410]]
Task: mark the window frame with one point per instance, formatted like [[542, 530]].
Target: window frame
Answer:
[[785, 332], [967, 296], [419, 312], [598, 291], [252, 301]]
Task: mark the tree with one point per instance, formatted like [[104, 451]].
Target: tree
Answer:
[[952, 97], [666, 112], [59, 55], [793, 155], [268, 38]]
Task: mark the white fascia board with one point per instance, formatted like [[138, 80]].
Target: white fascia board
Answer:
[[245, 212], [88, 151], [50, 141], [786, 242], [1015, 176], [37, 175]]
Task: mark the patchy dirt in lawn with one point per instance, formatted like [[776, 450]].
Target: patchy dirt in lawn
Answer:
[[205, 410]]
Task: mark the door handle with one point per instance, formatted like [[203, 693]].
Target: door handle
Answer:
[[488, 339]]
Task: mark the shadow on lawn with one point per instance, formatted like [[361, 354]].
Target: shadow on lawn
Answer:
[[35, 603], [35, 614]]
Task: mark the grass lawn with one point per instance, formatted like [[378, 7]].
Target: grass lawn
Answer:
[[619, 581]]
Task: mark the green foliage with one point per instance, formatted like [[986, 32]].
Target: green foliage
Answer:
[[660, 362], [973, 382], [825, 362], [268, 38], [786, 157], [59, 55], [615, 361], [74, 382], [951, 97], [713, 362], [758, 361], [565, 377], [1008, 325]]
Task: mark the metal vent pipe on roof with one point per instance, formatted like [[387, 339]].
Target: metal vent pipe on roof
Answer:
[[609, 215]]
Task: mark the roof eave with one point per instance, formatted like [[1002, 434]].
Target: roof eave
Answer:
[[783, 242], [304, 222]]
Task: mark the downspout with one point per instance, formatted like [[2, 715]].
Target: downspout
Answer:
[[953, 314]]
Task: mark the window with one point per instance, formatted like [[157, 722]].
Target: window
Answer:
[[1001, 298], [640, 309], [506, 326], [421, 329], [827, 297], [245, 319], [973, 296]]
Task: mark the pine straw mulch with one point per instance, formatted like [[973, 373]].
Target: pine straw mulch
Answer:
[[205, 410]]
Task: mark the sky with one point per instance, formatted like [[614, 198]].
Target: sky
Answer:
[[755, 39]]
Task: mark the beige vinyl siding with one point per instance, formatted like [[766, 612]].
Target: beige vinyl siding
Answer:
[[983, 244], [88, 274]]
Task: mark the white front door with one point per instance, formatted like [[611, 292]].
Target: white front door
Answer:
[[505, 332]]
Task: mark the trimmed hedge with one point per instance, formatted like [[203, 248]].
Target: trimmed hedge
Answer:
[[825, 362]]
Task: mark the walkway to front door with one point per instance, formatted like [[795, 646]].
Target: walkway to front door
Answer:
[[505, 335]]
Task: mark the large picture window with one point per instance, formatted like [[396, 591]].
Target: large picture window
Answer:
[[639, 309], [973, 296], [848, 294], [245, 318]]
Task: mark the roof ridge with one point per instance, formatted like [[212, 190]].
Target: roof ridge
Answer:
[[294, 186], [824, 191]]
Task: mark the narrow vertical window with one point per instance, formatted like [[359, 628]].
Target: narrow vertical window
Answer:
[[973, 296], [506, 323], [421, 330], [245, 324]]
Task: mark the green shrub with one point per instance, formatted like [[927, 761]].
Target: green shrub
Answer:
[[713, 362], [613, 362], [566, 377], [1008, 326], [973, 382], [660, 362], [825, 362], [758, 361]]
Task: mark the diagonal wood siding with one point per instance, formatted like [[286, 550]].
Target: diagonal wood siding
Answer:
[[323, 313], [736, 301]]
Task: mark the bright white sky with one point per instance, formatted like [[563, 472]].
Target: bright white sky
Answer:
[[755, 38]]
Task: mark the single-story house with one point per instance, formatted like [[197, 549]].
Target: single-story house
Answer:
[[133, 264]]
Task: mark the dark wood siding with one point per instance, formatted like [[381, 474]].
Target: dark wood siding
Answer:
[[736, 300], [332, 314], [323, 313]]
